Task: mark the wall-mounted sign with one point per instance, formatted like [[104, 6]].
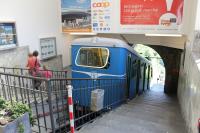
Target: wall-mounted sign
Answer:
[[102, 16], [122, 16], [76, 15], [8, 37], [48, 47], [151, 16]]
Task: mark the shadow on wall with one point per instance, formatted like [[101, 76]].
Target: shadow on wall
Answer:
[[188, 87]]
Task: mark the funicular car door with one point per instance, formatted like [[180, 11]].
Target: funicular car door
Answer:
[[128, 74], [131, 73]]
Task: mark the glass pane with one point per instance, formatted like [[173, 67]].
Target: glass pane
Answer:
[[92, 57]]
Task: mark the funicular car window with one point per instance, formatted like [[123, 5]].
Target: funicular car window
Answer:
[[92, 57]]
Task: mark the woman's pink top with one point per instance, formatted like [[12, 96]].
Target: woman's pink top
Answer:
[[47, 74]]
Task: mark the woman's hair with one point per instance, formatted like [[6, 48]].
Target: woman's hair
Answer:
[[30, 54], [35, 53], [44, 67]]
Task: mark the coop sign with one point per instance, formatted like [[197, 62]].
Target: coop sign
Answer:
[[101, 4]]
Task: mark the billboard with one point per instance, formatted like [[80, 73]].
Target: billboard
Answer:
[[76, 15], [151, 16]]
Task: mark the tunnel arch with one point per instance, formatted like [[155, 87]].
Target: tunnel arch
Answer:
[[158, 65], [172, 59]]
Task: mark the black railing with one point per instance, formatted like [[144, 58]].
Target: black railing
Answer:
[[25, 72], [92, 97], [47, 98], [42, 100]]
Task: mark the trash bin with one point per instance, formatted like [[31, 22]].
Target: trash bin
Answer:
[[97, 98]]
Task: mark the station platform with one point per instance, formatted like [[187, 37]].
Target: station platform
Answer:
[[153, 112]]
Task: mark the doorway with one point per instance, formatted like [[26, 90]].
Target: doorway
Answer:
[[158, 67]]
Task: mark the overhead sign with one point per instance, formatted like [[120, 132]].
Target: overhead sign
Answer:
[[76, 15], [122, 16], [102, 16], [151, 16]]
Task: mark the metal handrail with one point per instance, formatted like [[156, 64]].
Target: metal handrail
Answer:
[[29, 69]]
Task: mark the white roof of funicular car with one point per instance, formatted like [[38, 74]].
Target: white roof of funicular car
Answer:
[[106, 42]]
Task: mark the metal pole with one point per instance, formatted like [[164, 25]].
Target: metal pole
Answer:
[[50, 105], [70, 104]]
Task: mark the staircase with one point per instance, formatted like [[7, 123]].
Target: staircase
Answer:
[[153, 112]]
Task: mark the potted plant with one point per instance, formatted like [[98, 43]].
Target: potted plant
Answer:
[[15, 117]]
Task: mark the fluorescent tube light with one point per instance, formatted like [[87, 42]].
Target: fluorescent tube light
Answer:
[[83, 33], [169, 35]]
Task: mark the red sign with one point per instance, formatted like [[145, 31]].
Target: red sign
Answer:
[[151, 12]]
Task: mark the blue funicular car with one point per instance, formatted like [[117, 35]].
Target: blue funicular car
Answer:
[[106, 58]]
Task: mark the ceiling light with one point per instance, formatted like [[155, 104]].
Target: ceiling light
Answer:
[[167, 35], [83, 33]]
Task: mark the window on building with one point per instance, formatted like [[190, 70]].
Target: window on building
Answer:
[[8, 35]]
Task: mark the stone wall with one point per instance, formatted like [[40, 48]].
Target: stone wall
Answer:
[[54, 63], [15, 57], [189, 86]]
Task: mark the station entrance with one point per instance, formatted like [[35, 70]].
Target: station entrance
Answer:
[[166, 63]]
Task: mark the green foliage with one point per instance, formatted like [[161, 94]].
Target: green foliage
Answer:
[[21, 128], [15, 109], [2, 103], [146, 51]]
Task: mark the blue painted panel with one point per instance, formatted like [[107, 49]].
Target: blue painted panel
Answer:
[[113, 90]]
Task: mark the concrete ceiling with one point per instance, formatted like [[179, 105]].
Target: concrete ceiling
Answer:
[[173, 42]]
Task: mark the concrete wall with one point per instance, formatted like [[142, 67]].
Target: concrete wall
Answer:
[[189, 75], [189, 86], [197, 26], [16, 57], [54, 63], [36, 19], [189, 18], [174, 42]]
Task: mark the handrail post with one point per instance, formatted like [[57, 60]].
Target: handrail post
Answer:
[[71, 110], [50, 104]]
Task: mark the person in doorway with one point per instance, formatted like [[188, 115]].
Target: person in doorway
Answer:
[[157, 80]]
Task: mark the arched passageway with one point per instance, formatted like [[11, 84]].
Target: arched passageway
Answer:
[[158, 75], [171, 61], [171, 58]]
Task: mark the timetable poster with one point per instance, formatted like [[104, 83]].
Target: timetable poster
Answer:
[[151, 15], [76, 15]]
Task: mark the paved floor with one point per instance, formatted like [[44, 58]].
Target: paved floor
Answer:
[[153, 112]]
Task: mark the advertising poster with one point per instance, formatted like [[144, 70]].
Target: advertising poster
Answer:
[[102, 13], [146, 16], [7, 34], [76, 15]]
